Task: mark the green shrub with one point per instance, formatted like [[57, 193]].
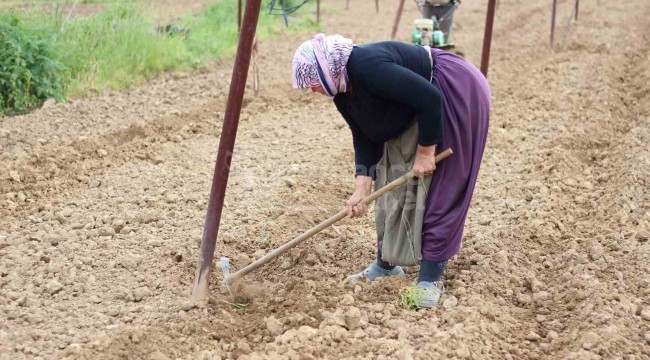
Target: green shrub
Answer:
[[29, 70]]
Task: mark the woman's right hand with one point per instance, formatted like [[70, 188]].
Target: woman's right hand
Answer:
[[362, 188]]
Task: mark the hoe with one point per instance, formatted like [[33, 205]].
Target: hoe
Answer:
[[229, 279]]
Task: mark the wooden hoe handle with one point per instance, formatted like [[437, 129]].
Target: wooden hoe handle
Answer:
[[325, 224]]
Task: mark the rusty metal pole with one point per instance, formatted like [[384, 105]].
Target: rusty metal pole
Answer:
[[225, 152], [398, 16], [239, 15], [553, 22], [377, 6], [256, 71], [487, 37], [577, 8], [318, 11]]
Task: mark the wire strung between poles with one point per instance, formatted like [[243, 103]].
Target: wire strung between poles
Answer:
[[282, 10]]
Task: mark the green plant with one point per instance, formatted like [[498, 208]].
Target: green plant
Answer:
[[238, 306], [29, 70], [410, 297]]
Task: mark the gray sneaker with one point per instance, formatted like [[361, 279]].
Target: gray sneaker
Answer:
[[374, 271], [432, 293]]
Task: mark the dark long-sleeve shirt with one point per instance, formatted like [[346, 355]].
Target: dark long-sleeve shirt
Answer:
[[390, 86]]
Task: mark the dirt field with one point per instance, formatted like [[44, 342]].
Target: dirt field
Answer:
[[103, 202]]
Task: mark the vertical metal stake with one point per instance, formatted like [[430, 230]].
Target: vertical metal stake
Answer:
[[225, 152], [577, 8], [318, 11], [487, 37], [398, 16], [377, 6], [553, 23]]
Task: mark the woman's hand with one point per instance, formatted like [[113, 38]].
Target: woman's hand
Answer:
[[362, 188], [425, 161]]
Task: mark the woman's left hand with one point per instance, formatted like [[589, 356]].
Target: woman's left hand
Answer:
[[425, 161]]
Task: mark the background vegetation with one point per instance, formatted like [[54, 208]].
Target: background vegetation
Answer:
[[47, 55]]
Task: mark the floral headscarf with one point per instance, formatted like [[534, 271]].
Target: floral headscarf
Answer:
[[322, 61]]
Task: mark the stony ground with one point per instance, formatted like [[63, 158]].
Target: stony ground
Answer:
[[103, 202]]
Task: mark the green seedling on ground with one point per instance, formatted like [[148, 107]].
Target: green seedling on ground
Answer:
[[410, 297], [238, 306]]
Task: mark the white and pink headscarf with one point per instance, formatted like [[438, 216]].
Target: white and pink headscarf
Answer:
[[322, 61]]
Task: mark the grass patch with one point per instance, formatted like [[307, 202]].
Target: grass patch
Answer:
[[120, 46], [125, 49]]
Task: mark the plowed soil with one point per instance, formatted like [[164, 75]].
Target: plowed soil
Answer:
[[103, 202]]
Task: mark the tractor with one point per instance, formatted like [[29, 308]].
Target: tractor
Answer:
[[434, 28]]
